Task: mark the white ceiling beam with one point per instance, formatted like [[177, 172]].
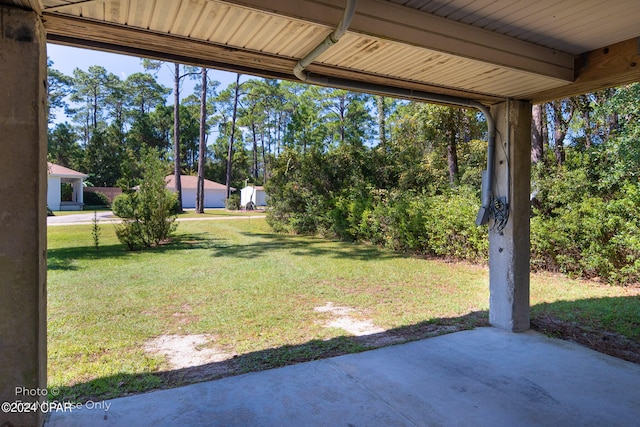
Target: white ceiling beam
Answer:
[[390, 21]]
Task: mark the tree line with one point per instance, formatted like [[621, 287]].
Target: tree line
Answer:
[[396, 173], [230, 134]]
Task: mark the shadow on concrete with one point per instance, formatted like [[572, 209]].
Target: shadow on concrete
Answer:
[[124, 384]]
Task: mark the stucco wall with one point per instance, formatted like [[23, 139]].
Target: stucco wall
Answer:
[[258, 197], [53, 193], [212, 198]]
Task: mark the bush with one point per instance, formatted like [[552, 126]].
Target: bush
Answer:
[[95, 198], [442, 225], [590, 238], [233, 202], [451, 229], [147, 213]]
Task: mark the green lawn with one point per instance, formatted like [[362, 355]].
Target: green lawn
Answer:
[[255, 295], [190, 213]]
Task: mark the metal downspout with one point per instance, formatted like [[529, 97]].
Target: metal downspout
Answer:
[[299, 71], [330, 40]]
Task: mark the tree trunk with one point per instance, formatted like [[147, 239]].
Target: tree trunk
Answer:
[[452, 149], [560, 128], [588, 140], [233, 133], [176, 135], [537, 134], [382, 136], [203, 145], [255, 151]]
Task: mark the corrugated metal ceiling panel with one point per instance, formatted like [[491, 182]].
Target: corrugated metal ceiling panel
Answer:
[[389, 58], [572, 26], [240, 27], [569, 25]]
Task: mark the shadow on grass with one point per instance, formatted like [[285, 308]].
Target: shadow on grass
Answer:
[[63, 258], [583, 321], [266, 243], [610, 325], [124, 384], [302, 246]]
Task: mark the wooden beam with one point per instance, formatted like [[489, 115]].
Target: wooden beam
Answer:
[[84, 33], [386, 20], [609, 66]]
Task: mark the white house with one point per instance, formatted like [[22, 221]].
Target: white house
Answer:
[[60, 177], [253, 194], [214, 192]]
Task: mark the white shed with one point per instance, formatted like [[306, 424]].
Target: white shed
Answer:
[[214, 192], [253, 194], [59, 177]]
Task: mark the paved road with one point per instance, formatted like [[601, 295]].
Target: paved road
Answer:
[[108, 217]]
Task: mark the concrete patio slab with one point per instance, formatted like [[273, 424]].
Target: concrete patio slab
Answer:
[[483, 377]]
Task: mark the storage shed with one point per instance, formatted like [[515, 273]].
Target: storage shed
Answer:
[[253, 193]]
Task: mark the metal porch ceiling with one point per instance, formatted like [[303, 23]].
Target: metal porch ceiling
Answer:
[[481, 49]]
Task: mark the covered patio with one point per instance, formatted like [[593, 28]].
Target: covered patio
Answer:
[[483, 377], [58, 177], [496, 56]]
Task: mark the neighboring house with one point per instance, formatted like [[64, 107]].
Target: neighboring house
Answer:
[[253, 194], [214, 192], [64, 188]]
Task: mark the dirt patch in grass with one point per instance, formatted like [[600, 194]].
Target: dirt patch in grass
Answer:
[[607, 342], [366, 333], [343, 320], [184, 351]]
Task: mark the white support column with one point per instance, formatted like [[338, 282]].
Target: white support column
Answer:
[[509, 248], [79, 191], [23, 199]]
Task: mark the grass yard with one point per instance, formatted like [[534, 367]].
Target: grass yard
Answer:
[[208, 213], [240, 298]]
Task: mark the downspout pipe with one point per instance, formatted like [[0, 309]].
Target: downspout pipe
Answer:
[[330, 40], [359, 86]]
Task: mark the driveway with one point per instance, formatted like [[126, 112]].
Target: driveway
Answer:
[[109, 217], [80, 218]]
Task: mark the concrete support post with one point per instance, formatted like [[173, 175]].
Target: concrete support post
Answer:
[[23, 192], [509, 247]]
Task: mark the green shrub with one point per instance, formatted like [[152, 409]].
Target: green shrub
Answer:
[[146, 214], [593, 237], [233, 202], [451, 229], [95, 198]]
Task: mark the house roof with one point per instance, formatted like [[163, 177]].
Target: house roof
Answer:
[[483, 50], [62, 172], [191, 182]]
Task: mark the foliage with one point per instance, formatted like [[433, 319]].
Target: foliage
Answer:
[[233, 202], [355, 167], [95, 230], [95, 198], [63, 148], [147, 218], [328, 194], [586, 210]]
